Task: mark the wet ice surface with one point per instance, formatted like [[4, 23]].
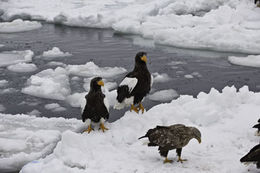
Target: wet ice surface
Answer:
[[187, 71]]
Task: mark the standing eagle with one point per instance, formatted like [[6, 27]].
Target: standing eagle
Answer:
[[257, 126], [97, 106], [253, 156], [171, 137], [135, 86]]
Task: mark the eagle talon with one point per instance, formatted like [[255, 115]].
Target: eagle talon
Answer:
[[181, 160], [89, 129], [141, 107], [167, 160], [134, 108], [102, 127]]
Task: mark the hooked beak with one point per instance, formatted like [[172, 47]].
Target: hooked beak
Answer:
[[199, 140], [101, 83], [144, 58]]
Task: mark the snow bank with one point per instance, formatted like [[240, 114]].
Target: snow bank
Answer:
[[224, 119], [226, 25], [251, 60], [90, 69], [25, 138], [52, 84], [160, 78], [55, 107], [22, 67], [19, 25], [55, 52], [13, 57], [164, 95]]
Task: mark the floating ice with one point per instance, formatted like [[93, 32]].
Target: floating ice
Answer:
[[163, 95], [13, 57], [90, 70], [22, 67], [25, 138], [34, 112], [3, 83], [52, 84], [55, 63], [2, 108], [250, 60], [19, 25], [225, 120], [55, 52], [55, 107], [160, 77]]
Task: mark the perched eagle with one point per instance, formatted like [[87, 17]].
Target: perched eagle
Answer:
[[257, 126], [253, 156], [135, 86], [171, 137], [97, 106]]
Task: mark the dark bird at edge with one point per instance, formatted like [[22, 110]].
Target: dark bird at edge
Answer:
[[171, 137], [257, 126], [253, 156]]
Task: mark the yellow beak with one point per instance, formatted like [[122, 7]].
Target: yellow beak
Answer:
[[144, 58], [101, 83]]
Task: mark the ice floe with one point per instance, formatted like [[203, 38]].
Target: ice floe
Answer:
[[14, 57], [250, 60], [22, 67], [160, 77], [3, 83], [55, 107], [55, 52], [19, 25], [164, 95]]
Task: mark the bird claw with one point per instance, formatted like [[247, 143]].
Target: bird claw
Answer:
[[181, 160], [167, 160], [102, 127], [141, 107], [89, 129], [134, 109]]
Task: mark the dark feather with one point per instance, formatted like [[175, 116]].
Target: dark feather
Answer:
[[253, 155]]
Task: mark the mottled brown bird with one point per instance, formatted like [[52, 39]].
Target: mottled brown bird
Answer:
[[253, 156], [172, 137]]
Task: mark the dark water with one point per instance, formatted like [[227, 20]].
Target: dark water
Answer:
[[107, 48]]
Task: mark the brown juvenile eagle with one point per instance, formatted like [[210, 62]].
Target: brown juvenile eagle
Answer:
[[172, 137], [135, 86]]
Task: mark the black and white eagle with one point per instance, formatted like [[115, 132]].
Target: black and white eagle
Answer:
[[171, 137], [257, 126], [253, 156], [135, 85], [97, 106]]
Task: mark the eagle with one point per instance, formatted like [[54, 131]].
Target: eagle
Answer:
[[252, 156], [257, 126], [171, 137], [97, 107], [135, 85]]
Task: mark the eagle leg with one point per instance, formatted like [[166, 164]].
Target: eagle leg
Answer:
[[89, 129], [167, 160], [134, 108], [102, 127], [178, 150], [141, 107]]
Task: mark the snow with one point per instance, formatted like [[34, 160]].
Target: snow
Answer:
[[90, 69], [25, 138], [49, 83], [225, 120], [55, 52], [55, 107], [164, 95], [22, 67], [19, 25], [250, 60], [222, 25], [160, 78], [14, 57]]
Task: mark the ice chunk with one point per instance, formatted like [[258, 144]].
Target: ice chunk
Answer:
[[22, 67], [55, 52], [3, 83], [13, 57], [163, 95], [19, 25], [55, 107], [160, 77], [2, 108], [250, 60]]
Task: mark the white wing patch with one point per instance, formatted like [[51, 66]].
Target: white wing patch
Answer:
[[106, 103], [130, 82], [151, 81]]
